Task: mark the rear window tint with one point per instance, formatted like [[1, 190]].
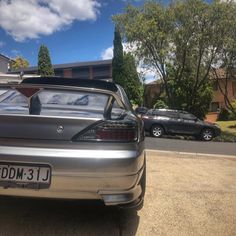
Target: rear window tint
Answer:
[[72, 103], [54, 103], [12, 101]]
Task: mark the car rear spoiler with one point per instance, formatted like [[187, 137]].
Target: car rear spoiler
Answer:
[[75, 82]]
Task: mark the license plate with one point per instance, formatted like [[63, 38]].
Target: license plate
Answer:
[[25, 175]]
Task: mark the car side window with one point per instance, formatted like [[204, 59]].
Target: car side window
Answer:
[[172, 114], [159, 113], [187, 116]]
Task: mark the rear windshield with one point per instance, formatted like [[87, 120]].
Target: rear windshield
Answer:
[[51, 102]]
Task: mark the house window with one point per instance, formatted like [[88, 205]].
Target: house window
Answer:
[[214, 106], [215, 85]]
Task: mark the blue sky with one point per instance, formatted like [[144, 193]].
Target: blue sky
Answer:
[[73, 30]]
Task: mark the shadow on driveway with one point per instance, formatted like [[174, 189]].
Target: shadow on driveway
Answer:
[[54, 217]]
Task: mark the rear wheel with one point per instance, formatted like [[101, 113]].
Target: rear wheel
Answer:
[[207, 135], [157, 131]]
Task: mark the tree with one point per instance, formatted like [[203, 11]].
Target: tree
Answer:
[[44, 62], [118, 60], [131, 82], [181, 42], [226, 58], [20, 63], [124, 70]]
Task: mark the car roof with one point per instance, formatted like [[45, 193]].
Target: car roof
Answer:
[[170, 110], [75, 82]]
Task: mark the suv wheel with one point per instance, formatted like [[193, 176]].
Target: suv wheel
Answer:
[[207, 135], [157, 131]]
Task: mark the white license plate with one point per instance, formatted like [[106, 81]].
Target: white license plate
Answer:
[[20, 173]]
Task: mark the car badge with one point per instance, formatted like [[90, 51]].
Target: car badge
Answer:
[[60, 129]]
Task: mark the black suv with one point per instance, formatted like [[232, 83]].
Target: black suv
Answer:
[[164, 121]]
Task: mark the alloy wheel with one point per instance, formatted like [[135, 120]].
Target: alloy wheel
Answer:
[[157, 131], [207, 135]]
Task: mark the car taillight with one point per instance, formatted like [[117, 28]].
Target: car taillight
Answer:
[[110, 132]]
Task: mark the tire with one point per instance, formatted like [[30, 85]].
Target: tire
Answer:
[[157, 131], [207, 135]]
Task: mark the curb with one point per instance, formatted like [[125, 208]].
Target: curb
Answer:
[[186, 154]]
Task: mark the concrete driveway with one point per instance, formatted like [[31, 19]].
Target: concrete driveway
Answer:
[[186, 195]]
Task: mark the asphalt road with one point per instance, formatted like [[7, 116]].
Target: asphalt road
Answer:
[[177, 145], [185, 196]]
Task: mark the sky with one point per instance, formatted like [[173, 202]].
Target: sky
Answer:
[[73, 30]]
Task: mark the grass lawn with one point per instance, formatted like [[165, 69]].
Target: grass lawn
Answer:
[[228, 129], [228, 126]]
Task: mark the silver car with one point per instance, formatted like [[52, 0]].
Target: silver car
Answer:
[[71, 139]]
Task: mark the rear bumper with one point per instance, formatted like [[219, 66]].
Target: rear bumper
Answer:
[[109, 175]]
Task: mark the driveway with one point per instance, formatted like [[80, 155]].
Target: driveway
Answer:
[[177, 145], [186, 195]]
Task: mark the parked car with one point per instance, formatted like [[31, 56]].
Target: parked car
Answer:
[[165, 121], [71, 139]]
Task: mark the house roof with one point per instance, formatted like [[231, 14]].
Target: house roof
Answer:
[[5, 57], [69, 65]]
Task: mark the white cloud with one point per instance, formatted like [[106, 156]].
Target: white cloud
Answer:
[[107, 53], [148, 73], [28, 19]]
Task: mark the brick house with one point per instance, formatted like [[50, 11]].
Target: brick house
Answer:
[[101, 70], [218, 98]]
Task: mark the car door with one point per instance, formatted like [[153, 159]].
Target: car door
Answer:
[[174, 122], [189, 123]]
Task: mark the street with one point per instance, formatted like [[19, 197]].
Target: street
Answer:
[[192, 146], [185, 196]]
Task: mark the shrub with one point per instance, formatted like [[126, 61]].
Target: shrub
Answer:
[[223, 115], [160, 104]]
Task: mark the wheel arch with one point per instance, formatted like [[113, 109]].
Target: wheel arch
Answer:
[[206, 127]]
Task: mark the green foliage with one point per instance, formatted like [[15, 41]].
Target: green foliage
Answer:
[[228, 133], [160, 104], [118, 60], [19, 63], [44, 62], [186, 96], [124, 71], [223, 115], [181, 41], [131, 82], [233, 104], [232, 115]]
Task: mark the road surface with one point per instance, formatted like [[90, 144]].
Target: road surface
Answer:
[[177, 145]]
